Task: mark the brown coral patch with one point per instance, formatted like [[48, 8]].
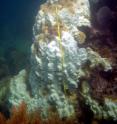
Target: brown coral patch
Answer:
[[69, 4], [80, 37]]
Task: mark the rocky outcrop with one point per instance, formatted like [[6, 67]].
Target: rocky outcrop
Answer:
[[57, 61]]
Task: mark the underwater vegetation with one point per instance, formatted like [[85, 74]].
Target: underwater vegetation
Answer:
[[19, 115]]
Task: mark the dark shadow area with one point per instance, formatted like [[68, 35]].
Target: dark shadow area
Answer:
[[102, 38]]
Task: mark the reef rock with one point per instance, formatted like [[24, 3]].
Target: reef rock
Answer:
[[56, 59], [107, 110]]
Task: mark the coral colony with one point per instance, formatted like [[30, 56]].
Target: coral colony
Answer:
[[58, 64]]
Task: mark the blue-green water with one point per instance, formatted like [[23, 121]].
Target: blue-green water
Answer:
[[16, 21]]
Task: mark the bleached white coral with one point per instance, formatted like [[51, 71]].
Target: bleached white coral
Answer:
[[55, 60], [52, 1]]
